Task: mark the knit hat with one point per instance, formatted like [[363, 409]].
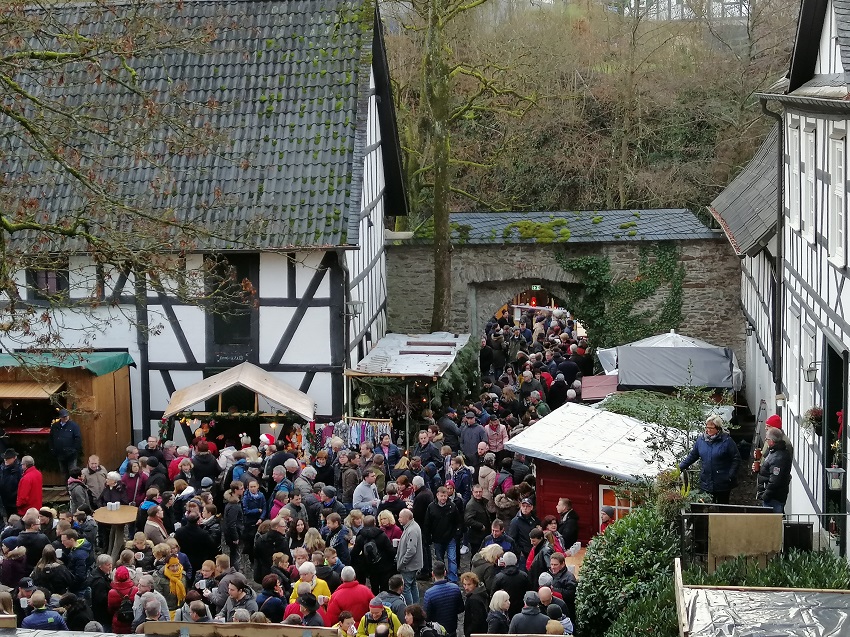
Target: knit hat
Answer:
[[152, 461], [774, 421], [330, 492], [122, 574], [376, 603], [11, 543], [554, 612], [609, 511], [531, 599], [206, 482]]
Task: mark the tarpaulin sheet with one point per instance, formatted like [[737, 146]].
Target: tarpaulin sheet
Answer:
[[98, 363], [742, 613], [669, 367]]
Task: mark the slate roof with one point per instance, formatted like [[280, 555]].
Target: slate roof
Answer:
[[289, 81], [841, 8], [589, 226], [746, 209]]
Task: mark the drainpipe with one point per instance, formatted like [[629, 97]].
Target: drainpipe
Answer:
[[777, 300]]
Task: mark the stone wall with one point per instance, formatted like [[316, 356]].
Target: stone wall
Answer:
[[485, 277]]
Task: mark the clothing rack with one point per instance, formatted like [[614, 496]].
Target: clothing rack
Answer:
[[353, 430]]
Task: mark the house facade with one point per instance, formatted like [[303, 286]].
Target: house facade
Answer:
[[318, 170], [792, 238]]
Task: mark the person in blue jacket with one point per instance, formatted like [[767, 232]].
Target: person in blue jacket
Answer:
[[719, 458], [41, 617]]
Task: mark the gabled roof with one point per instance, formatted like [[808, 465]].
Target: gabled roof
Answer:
[[594, 440], [290, 83], [588, 226], [746, 209], [245, 375]]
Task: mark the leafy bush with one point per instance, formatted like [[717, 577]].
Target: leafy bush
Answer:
[[653, 614], [621, 565], [820, 569]]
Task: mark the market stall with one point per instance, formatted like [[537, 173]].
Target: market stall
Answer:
[[93, 386], [406, 374], [278, 408]]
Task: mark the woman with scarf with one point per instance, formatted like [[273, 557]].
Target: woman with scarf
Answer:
[[171, 583], [719, 458], [154, 527]]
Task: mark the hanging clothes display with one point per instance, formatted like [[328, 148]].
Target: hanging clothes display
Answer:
[[355, 430]]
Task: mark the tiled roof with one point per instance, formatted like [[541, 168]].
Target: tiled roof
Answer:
[[746, 209], [589, 226], [290, 81], [841, 8]]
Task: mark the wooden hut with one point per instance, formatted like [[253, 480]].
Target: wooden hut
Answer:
[[579, 453], [93, 386]]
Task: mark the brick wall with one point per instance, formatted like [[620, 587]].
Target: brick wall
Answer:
[[485, 277]]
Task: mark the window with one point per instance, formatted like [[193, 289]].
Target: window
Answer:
[[47, 285], [793, 357], [794, 190], [622, 506], [233, 295], [807, 219], [837, 227]]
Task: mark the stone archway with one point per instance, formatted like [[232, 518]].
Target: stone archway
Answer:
[[489, 286]]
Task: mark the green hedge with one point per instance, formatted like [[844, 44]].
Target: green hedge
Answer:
[[622, 565]]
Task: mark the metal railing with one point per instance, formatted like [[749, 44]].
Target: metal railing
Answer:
[[803, 532]]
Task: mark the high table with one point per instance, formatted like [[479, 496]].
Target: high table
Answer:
[[116, 519]]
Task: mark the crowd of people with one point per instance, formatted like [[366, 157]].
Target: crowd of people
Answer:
[[342, 538]]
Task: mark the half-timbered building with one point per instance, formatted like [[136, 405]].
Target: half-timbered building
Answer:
[[795, 279], [306, 107]]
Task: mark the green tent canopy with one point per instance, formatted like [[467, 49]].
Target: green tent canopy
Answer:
[[98, 363]]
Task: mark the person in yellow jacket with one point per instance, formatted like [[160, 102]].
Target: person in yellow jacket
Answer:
[[318, 587], [378, 616]]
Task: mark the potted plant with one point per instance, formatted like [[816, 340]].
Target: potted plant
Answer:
[[813, 419]]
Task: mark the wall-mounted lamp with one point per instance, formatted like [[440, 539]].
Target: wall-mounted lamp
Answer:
[[353, 308], [780, 400], [749, 330], [834, 478], [810, 373]]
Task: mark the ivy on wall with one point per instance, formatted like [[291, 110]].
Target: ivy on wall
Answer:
[[606, 307]]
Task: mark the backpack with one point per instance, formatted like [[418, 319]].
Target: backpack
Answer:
[[124, 614], [370, 550], [497, 486], [238, 472], [439, 629]]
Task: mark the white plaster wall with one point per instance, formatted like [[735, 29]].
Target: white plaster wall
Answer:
[[273, 278], [310, 344], [829, 53]]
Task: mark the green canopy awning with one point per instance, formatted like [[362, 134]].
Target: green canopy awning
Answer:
[[98, 363]]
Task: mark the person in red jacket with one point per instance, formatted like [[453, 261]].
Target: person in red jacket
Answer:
[[30, 486], [351, 595], [122, 586]]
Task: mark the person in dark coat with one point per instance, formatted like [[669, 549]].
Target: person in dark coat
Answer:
[[65, 442], [100, 581], [513, 581], [195, 542], [206, 466], [568, 523], [538, 558], [158, 476], [476, 518], [378, 572], [719, 458], [564, 583], [10, 476], [557, 394], [774, 476], [530, 621], [498, 622], [265, 546], [77, 612], [476, 605], [324, 469]]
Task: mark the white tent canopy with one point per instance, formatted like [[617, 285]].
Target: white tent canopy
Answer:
[[250, 377], [608, 357], [596, 441]]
